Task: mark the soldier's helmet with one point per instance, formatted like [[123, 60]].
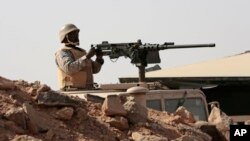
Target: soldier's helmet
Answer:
[[66, 29]]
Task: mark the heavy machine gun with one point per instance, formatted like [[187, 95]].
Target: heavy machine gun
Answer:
[[140, 54]]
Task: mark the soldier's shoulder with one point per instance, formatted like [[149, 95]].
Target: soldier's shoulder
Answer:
[[80, 49], [64, 51], [64, 48], [68, 50]]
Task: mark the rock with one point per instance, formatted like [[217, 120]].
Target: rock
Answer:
[[1, 123], [16, 115], [113, 107], [50, 134], [135, 112], [185, 115], [221, 120], [13, 127], [21, 82], [175, 119], [36, 121], [64, 113], [52, 98], [215, 116], [210, 129], [25, 138], [3, 137], [94, 98], [118, 122], [125, 140], [6, 84], [194, 132], [109, 138], [32, 91], [81, 115], [189, 138], [32, 127], [136, 136], [43, 88], [247, 122]]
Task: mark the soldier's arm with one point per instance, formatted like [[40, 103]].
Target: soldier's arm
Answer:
[[66, 62]]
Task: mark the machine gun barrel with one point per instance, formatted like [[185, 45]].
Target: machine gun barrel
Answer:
[[187, 46], [152, 47]]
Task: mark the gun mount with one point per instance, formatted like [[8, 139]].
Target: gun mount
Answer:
[[140, 54]]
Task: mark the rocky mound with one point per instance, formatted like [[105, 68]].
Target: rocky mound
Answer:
[[32, 111]]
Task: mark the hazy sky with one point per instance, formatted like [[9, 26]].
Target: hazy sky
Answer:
[[29, 32]]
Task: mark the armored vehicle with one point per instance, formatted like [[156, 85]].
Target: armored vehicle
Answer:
[[193, 100]]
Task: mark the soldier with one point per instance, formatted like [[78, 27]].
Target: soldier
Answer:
[[75, 66]]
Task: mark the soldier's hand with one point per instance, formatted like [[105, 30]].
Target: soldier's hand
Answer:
[[99, 56], [99, 53], [100, 60], [90, 53]]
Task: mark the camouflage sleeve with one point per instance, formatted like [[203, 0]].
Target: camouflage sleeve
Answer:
[[66, 62]]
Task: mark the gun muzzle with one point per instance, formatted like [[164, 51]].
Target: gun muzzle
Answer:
[[190, 46], [211, 45]]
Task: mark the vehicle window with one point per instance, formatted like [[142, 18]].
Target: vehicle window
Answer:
[[154, 104], [194, 105]]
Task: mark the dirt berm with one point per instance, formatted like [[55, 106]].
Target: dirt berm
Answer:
[[34, 112]]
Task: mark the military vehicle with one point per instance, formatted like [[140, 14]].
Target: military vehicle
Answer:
[[153, 95], [168, 100]]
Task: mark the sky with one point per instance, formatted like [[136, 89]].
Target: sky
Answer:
[[29, 32]]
